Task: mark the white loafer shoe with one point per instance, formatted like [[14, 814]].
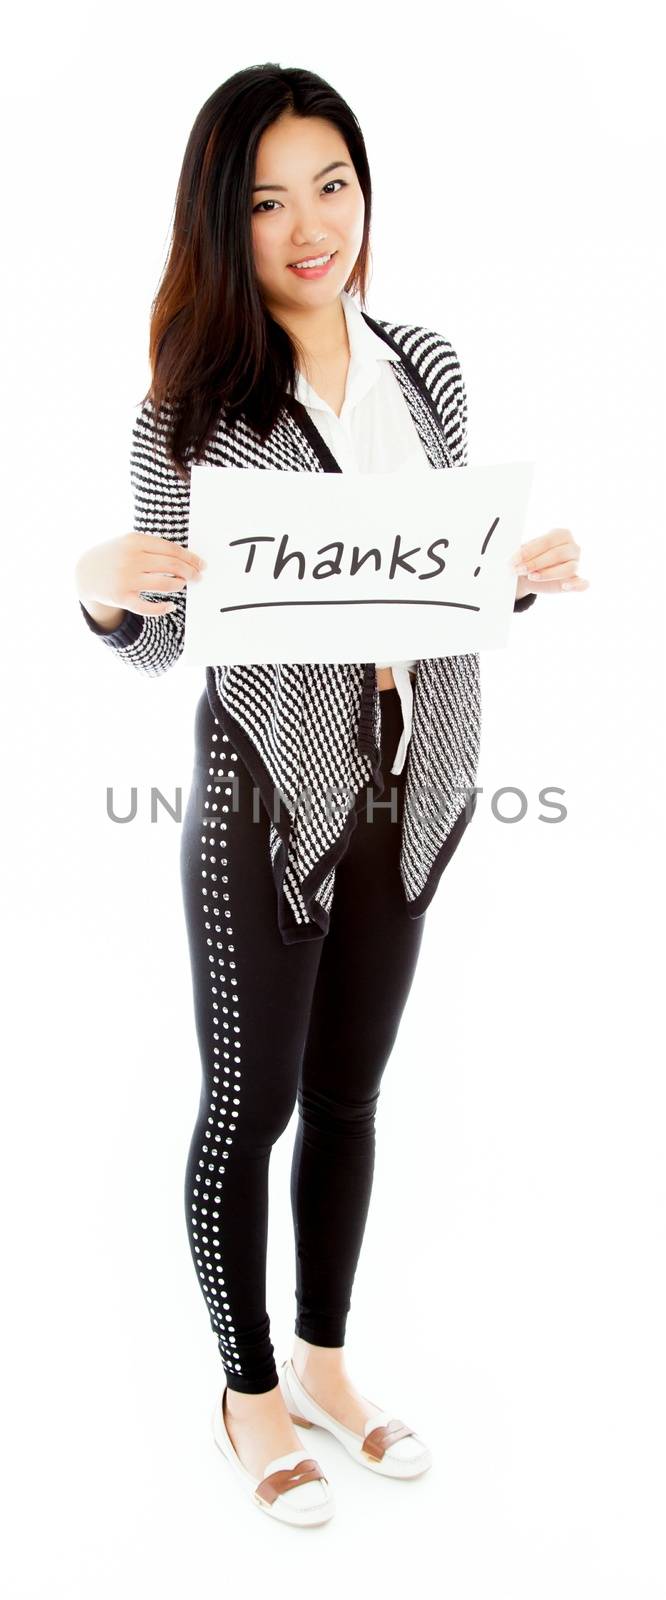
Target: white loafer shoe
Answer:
[[386, 1445], [293, 1487]]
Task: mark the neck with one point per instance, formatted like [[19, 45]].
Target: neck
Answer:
[[322, 331]]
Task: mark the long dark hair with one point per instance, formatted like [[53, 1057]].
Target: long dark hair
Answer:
[[213, 344]]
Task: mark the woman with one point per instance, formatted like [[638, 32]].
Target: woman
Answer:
[[304, 923]]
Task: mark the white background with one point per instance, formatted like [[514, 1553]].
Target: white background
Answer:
[[510, 1297]]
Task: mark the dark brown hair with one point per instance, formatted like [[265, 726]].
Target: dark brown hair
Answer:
[[213, 344]]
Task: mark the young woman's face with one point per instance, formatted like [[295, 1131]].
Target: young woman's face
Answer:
[[298, 210]]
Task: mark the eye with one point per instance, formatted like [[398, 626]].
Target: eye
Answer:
[[342, 182]]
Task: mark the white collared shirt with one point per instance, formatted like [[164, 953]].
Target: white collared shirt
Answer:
[[373, 433]]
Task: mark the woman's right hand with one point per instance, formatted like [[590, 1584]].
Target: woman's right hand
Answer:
[[110, 575]]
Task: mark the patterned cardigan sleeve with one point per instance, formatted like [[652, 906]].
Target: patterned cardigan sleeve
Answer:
[[161, 507], [458, 442]]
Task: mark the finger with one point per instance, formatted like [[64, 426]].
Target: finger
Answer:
[[548, 541], [155, 549], [160, 577], [172, 561], [556, 554], [561, 569]]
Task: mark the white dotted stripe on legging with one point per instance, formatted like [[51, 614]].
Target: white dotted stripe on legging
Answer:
[[226, 1067]]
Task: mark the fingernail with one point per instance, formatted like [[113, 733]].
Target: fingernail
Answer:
[[520, 571]]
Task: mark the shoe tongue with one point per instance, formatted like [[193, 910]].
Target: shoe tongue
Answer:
[[289, 1460], [380, 1421]]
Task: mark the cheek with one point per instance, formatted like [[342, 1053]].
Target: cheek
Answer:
[[268, 246], [354, 214]]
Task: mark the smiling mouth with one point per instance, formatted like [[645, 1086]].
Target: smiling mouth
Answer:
[[329, 257]]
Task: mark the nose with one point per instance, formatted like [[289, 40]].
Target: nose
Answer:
[[311, 237]]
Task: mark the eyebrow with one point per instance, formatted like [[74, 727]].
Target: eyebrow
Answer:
[[282, 187]]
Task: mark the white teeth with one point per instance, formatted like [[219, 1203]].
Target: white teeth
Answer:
[[318, 263]]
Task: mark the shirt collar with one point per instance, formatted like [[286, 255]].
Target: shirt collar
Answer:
[[367, 349]]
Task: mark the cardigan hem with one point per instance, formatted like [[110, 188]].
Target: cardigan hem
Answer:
[[339, 847], [293, 932], [417, 907]]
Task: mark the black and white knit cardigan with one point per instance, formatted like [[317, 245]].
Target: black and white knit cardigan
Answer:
[[313, 730]]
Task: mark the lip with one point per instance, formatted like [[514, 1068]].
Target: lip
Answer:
[[313, 272]]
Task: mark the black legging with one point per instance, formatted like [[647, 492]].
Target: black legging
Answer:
[[317, 1020]]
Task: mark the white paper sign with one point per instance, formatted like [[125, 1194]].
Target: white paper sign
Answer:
[[352, 566]]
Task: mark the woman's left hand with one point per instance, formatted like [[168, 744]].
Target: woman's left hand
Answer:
[[548, 565]]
